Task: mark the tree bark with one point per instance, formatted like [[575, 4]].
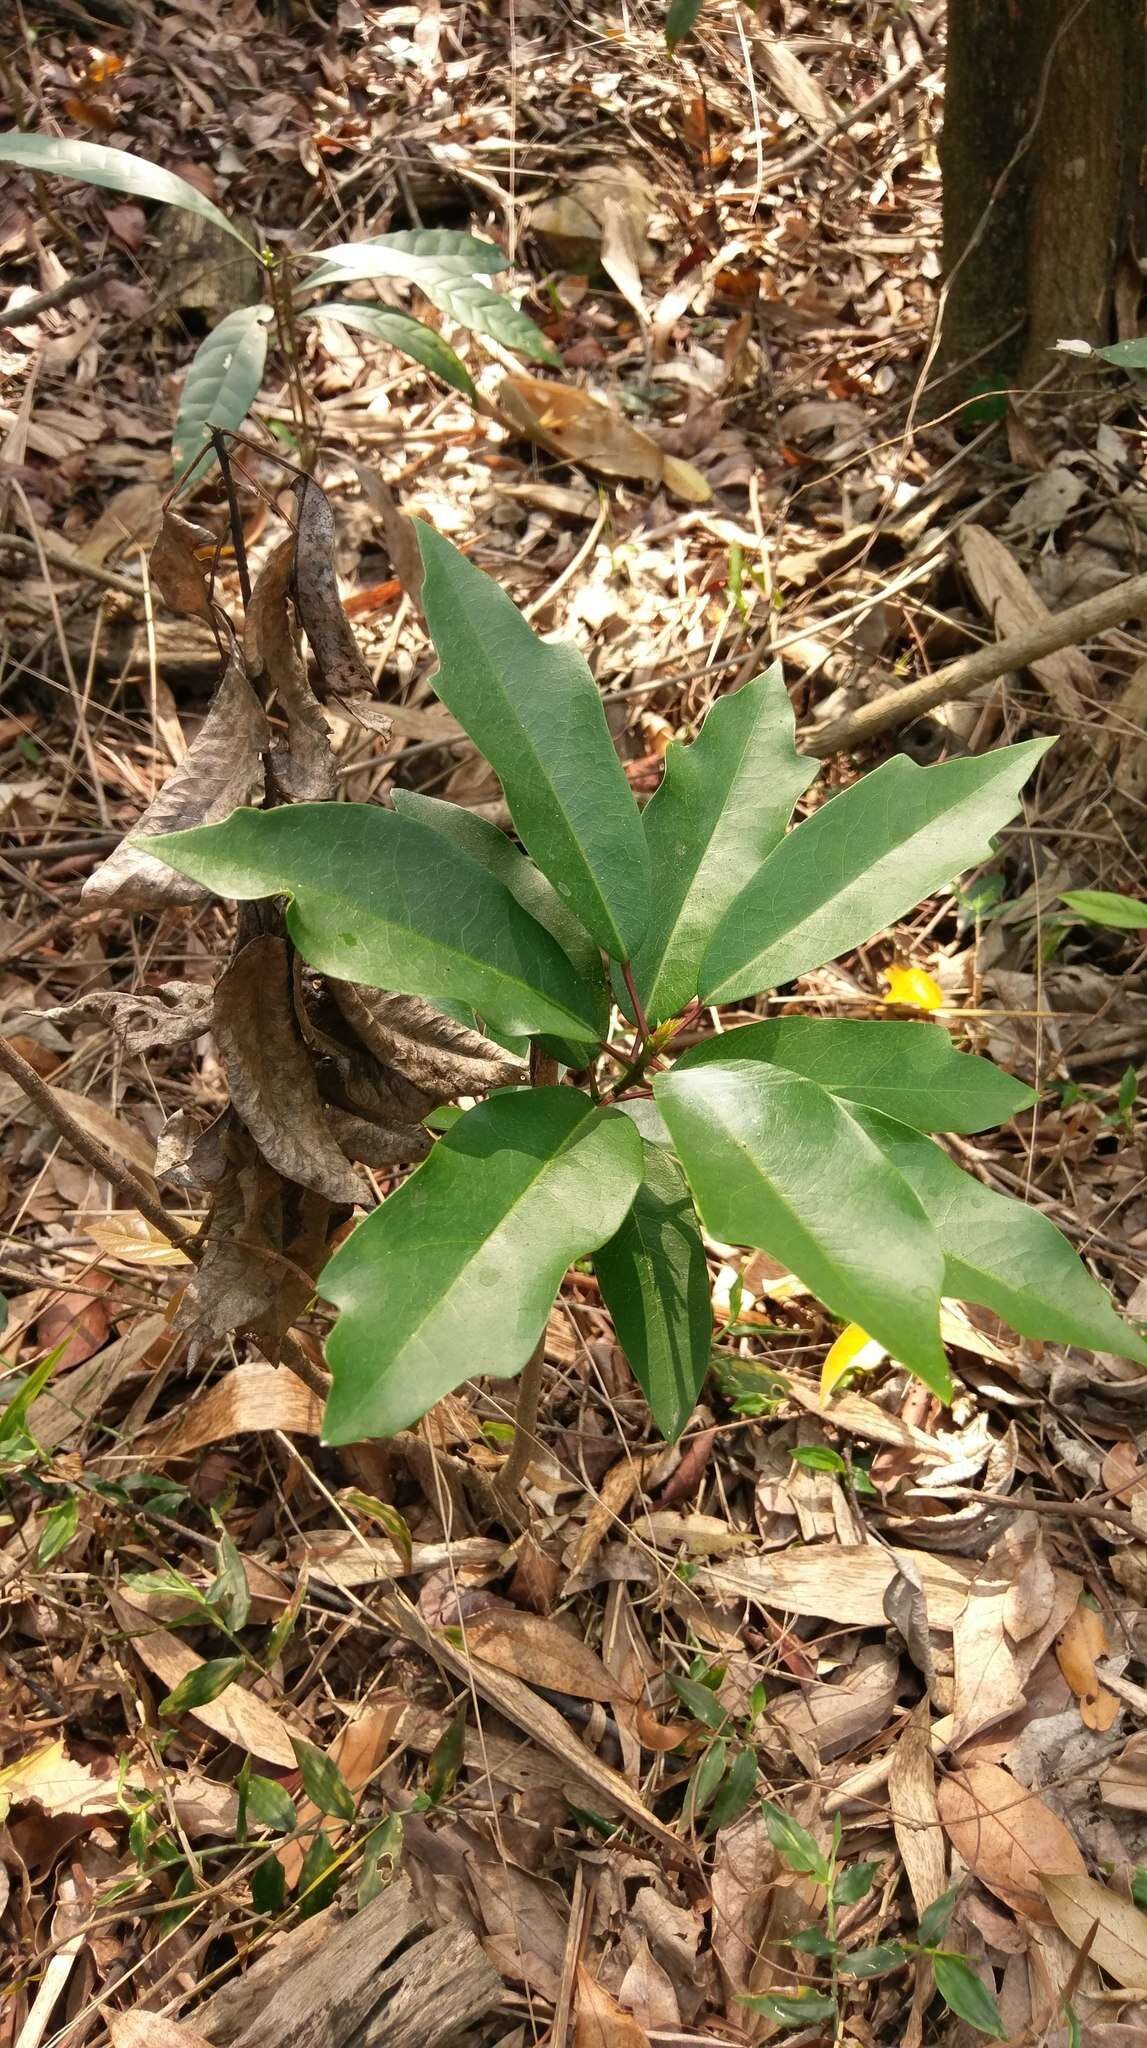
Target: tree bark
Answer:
[[1034, 229]]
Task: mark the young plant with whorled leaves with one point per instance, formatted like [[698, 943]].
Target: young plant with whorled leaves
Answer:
[[814, 1140]]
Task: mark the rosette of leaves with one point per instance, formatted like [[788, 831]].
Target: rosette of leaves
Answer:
[[815, 1140]]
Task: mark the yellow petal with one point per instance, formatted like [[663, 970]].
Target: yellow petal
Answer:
[[913, 987], [853, 1351]]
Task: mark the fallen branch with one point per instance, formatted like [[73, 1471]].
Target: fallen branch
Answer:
[[1064, 629], [26, 310], [58, 553]]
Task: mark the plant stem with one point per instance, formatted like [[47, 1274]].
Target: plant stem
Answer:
[[635, 999], [219, 443], [525, 1422]]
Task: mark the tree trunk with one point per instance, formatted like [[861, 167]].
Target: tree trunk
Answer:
[[1035, 223]]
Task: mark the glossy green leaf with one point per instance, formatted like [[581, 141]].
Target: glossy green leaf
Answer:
[[875, 1961], [680, 20], [655, 1284], [706, 1777], [414, 253], [485, 311], [934, 1919], [271, 1805], [721, 808], [700, 1701], [812, 1941], [60, 1524], [909, 1071], [818, 1458], [860, 862], [736, 1793], [384, 900], [221, 385], [1004, 1254], [534, 711], [484, 843], [966, 1995], [1104, 906], [269, 1888], [323, 1782], [202, 1685], [399, 330], [793, 1843], [776, 1162], [93, 164], [318, 1878], [455, 1273]]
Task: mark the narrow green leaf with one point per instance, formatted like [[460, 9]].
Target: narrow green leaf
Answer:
[[414, 253], [965, 1995], [818, 1458], [706, 1777], [383, 900], [860, 862], [910, 1071], [736, 1793], [721, 808], [485, 311], [399, 330], [59, 1527], [680, 19], [271, 1805], [201, 1686], [796, 2009], [854, 1884], [221, 384], [323, 1782], [812, 1941], [446, 1758], [268, 1888], [875, 1961], [534, 711], [776, 1162], [382, 1845], [934, 1919], [1002, 1253], [1104, 906], [230, 1595], [455, 1273], [699, 1701], [655, 1283], [93, 164], [794, 1844], [318, 1878]]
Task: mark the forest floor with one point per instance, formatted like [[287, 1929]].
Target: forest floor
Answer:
[[749, 285]]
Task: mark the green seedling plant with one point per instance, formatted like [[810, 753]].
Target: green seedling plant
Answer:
[[723, 1781], [449, 267], [821, 1946], [593, 936]]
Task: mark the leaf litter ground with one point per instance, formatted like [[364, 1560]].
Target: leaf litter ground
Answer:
[[517, 1730]]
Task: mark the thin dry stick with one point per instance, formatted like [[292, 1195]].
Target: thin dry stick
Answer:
[[1064, 629], [72, 288]]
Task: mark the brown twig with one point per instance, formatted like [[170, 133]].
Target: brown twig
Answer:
[[31, 309], [219, 443], [63, 558]]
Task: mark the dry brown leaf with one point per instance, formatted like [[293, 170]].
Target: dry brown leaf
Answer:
[[841, 1582], [1124, 1782], [149, 2030], [615, 1493], [745, 1865], [357, 1751], [915, 1814], [341, 667], [1082, 1639], [1014, 1608], [1007, 1837], [600, 2022], [177, 569], [177, 1011], [440, 1056], [71, 1399], [270, 1076], [79, 1322], [335, 1557], [646, 1990], [836, 1718], [793, 80], [304, 767], [130, 515], [221, 771], [56, 1783], [576, 427], [109, 1130], [249, 1398], [525, 1920], [398, 530], [541, 1652], [1012, 605], [1119, 1945], [237, 1715], [128, 1237], [378, 1145], [265, 1242]]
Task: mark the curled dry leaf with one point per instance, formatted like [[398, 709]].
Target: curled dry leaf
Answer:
[[378, 1145], [1082, 1639], [269, 1074], [541, 1652], [176, 564], [601, 2023], [1119, 1944], [337, 658], [835, 1718], [1014, 1610], [438, 1055], [177, 1011], [1007, 1837], [249, 1398], [304, 767], [222, 770], [265, 1241], [577, 427], [58, 1784]]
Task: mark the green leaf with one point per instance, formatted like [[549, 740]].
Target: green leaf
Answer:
[[221, 385], [1126, 355], [399, 330], [706, 1777], [230, 1595], [795, 2009], [271, 1805], [965, 1995], [776, 1162], [655, 1284], [323, 1782], [493, 851], [455, 1273], [93, 164], [318, 1878], [534, 711], [1103, 906], [818, 1458], [202, 1685], [910, 1071], [446, 1759], [414, 253], [721, 808], [934, 1919], [811, 1941], [793, 1843], [854, 1884], [680, 19], [700, 1701], [59, 1527], [268, 1888], [859, 863], [485, 311], [736, 1793], [383, 900], [873, 1962], [1002, 1253]]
